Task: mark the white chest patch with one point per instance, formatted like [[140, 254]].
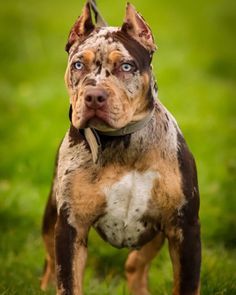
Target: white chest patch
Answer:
[[127, 201]]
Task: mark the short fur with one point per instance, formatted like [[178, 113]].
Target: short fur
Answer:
[[143, 187]]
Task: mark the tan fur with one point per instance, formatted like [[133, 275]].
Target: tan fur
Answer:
[[167, 192], [49, 273], [88, 57], [173, 249], [137, 266], [87, 199], [114, 57], [79, 267]]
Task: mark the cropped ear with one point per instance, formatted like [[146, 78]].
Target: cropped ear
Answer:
[[135, 26], [82, 27]]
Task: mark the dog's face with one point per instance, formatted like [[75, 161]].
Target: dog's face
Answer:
[[109, 76]]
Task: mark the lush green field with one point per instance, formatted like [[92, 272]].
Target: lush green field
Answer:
[[196, 68]]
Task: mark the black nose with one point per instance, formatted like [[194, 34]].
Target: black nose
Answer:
[[95, 97]]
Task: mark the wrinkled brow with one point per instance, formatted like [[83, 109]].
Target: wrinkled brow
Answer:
[[115, 56], [87, 56]]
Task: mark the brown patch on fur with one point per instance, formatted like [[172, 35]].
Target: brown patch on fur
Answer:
[[109, 141], [137, 265], [87, 200], [75, 136], [89, 82], [114, 57], [65, 236], [183, 280], [137, 51], [88, 56], [167, 194], [190, 249]]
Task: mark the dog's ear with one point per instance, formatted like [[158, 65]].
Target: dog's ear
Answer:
[[82, 27], [135, 26]]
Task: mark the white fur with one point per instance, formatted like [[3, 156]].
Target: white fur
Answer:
[[127, 201]]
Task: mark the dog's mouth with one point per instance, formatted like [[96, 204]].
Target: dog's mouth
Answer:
[[98, 119], [100, 124]]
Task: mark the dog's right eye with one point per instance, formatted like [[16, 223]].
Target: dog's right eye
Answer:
[[78, 65]]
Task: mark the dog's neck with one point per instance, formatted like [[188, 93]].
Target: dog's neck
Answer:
[[160, 131], [130, 128], [93, 136]]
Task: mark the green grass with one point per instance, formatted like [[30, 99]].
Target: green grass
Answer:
[[196, 70]]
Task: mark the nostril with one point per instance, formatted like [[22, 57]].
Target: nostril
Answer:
[[89, 98], [100, 98]]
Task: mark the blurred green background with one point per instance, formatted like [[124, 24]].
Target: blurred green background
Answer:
[[196, 70]]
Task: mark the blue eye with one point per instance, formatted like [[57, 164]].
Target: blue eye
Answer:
[[126, 67], [78, 65]]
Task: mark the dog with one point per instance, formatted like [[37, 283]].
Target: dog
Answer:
[[123, 167]]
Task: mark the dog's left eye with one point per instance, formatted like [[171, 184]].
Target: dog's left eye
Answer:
[[78, 65], [126, 67]]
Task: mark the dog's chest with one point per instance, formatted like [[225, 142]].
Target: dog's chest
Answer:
[[124, 224]]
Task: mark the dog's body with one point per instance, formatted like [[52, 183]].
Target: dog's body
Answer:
[[133, 177]]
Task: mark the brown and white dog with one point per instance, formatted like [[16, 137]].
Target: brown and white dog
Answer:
[[123, 167]]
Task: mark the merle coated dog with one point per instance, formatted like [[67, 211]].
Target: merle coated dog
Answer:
[[123, 167]]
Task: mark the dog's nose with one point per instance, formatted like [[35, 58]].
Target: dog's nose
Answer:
[[95, 98]]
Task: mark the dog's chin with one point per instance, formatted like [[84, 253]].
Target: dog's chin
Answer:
[[100, 121], [100, 124], [94, 120]]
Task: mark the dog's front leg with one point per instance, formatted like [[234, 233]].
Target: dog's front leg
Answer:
[[185, 252], [71, 254]]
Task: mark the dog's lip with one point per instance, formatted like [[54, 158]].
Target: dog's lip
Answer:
[[95, 118], [103, 115], [99, 124], [100, 119]]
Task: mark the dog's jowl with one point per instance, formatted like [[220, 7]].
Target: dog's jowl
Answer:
[[123, 167]]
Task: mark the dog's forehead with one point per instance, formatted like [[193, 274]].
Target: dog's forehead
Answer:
[[101, 41]]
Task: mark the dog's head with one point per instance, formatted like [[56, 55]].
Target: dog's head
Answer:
[[109, 76]]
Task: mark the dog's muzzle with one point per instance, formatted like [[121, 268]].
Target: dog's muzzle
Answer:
[[96, 110], [95, 98]]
